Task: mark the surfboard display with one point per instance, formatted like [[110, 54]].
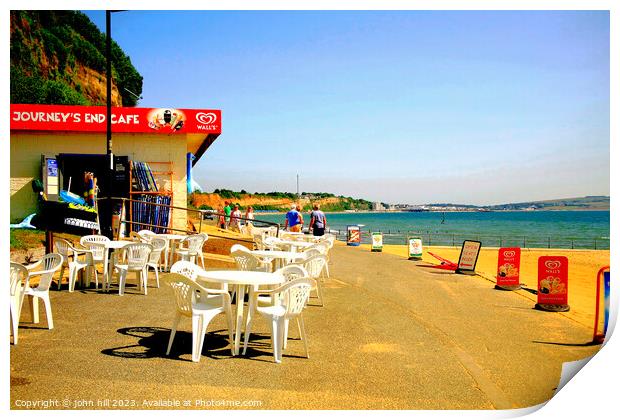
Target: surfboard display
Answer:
[[146, 215]]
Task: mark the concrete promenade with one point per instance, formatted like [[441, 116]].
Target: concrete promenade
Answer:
[[392, 335]]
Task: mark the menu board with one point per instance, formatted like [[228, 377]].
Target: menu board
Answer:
[[415, 248], [377, 242], [468, 257]]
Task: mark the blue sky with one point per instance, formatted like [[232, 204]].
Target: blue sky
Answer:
[[476, 107]]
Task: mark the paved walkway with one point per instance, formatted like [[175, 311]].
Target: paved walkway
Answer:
[[392, 335]]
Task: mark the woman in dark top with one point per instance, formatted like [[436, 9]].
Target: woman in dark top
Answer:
[[318, 221]]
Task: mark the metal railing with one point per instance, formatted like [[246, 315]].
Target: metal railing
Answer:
[[204, 217], [391, 236]]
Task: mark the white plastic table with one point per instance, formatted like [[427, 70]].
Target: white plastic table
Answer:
[[240, 279], [294, 245], [171, 239], [113, 246], [279, 256]]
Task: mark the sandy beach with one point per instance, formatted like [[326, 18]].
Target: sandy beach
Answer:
[[583, 267]]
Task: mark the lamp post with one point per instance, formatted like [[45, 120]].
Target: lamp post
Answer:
[[108, 75]]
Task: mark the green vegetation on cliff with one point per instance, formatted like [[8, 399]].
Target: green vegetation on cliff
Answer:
[[53, 53], [280, 200]]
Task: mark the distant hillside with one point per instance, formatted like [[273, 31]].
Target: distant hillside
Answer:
[[593, 202], [280, 201], [58, 57]]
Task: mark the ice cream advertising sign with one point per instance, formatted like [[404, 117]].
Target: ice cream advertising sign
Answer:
[[553, 283], [353, 235], [468, 257], [124, 120], [415, 248], [508, 266], [377, 242]]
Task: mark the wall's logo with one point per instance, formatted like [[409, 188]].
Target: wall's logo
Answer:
[[207, 118], [552, 265], [509, 254]]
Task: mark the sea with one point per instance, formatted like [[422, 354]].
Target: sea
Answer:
[[528, 229]]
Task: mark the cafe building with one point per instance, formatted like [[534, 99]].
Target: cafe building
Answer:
[[56, 146]]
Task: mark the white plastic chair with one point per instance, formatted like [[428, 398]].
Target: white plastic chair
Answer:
[[98, 255], [82, 259], [19, 283], [202, 305], [159, 246], [314, 266], [93, 238], [272, 243], [323, 248], [290, 273], [192, 271], [45, 268], [146, 235], [135, 237], [134, 258], [190, 247], [62, 246], [292, 299], [246, 261]]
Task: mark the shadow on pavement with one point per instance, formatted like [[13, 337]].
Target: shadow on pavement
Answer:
[[152, 342]]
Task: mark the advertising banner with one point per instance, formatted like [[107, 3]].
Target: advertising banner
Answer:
[[377, 242], [508, 266], [415, 248], [468, 257], [353, 235], [606, 281], [124, 120], [553, 284]]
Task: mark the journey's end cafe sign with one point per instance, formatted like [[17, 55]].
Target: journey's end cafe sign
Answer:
[[124, 120]]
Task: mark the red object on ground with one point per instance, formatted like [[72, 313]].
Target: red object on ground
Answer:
[[508, 267], [552, 280], [445, 264]]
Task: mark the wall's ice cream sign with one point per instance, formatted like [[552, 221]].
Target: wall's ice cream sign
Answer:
[[508, 265], [124, 120], [553, 284]]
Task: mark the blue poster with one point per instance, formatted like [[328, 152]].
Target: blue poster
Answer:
[[52, 167]]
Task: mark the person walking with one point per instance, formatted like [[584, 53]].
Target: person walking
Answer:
[[249, 216], [235, 220], [318, 221], [227, 212], [221, 220], [293, 220]]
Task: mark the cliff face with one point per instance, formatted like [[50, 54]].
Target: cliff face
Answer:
[[57, 57], [261, 202]]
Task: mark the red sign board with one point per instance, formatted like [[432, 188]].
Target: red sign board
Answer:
[[553, 281], [508, 266], [124, 120]]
